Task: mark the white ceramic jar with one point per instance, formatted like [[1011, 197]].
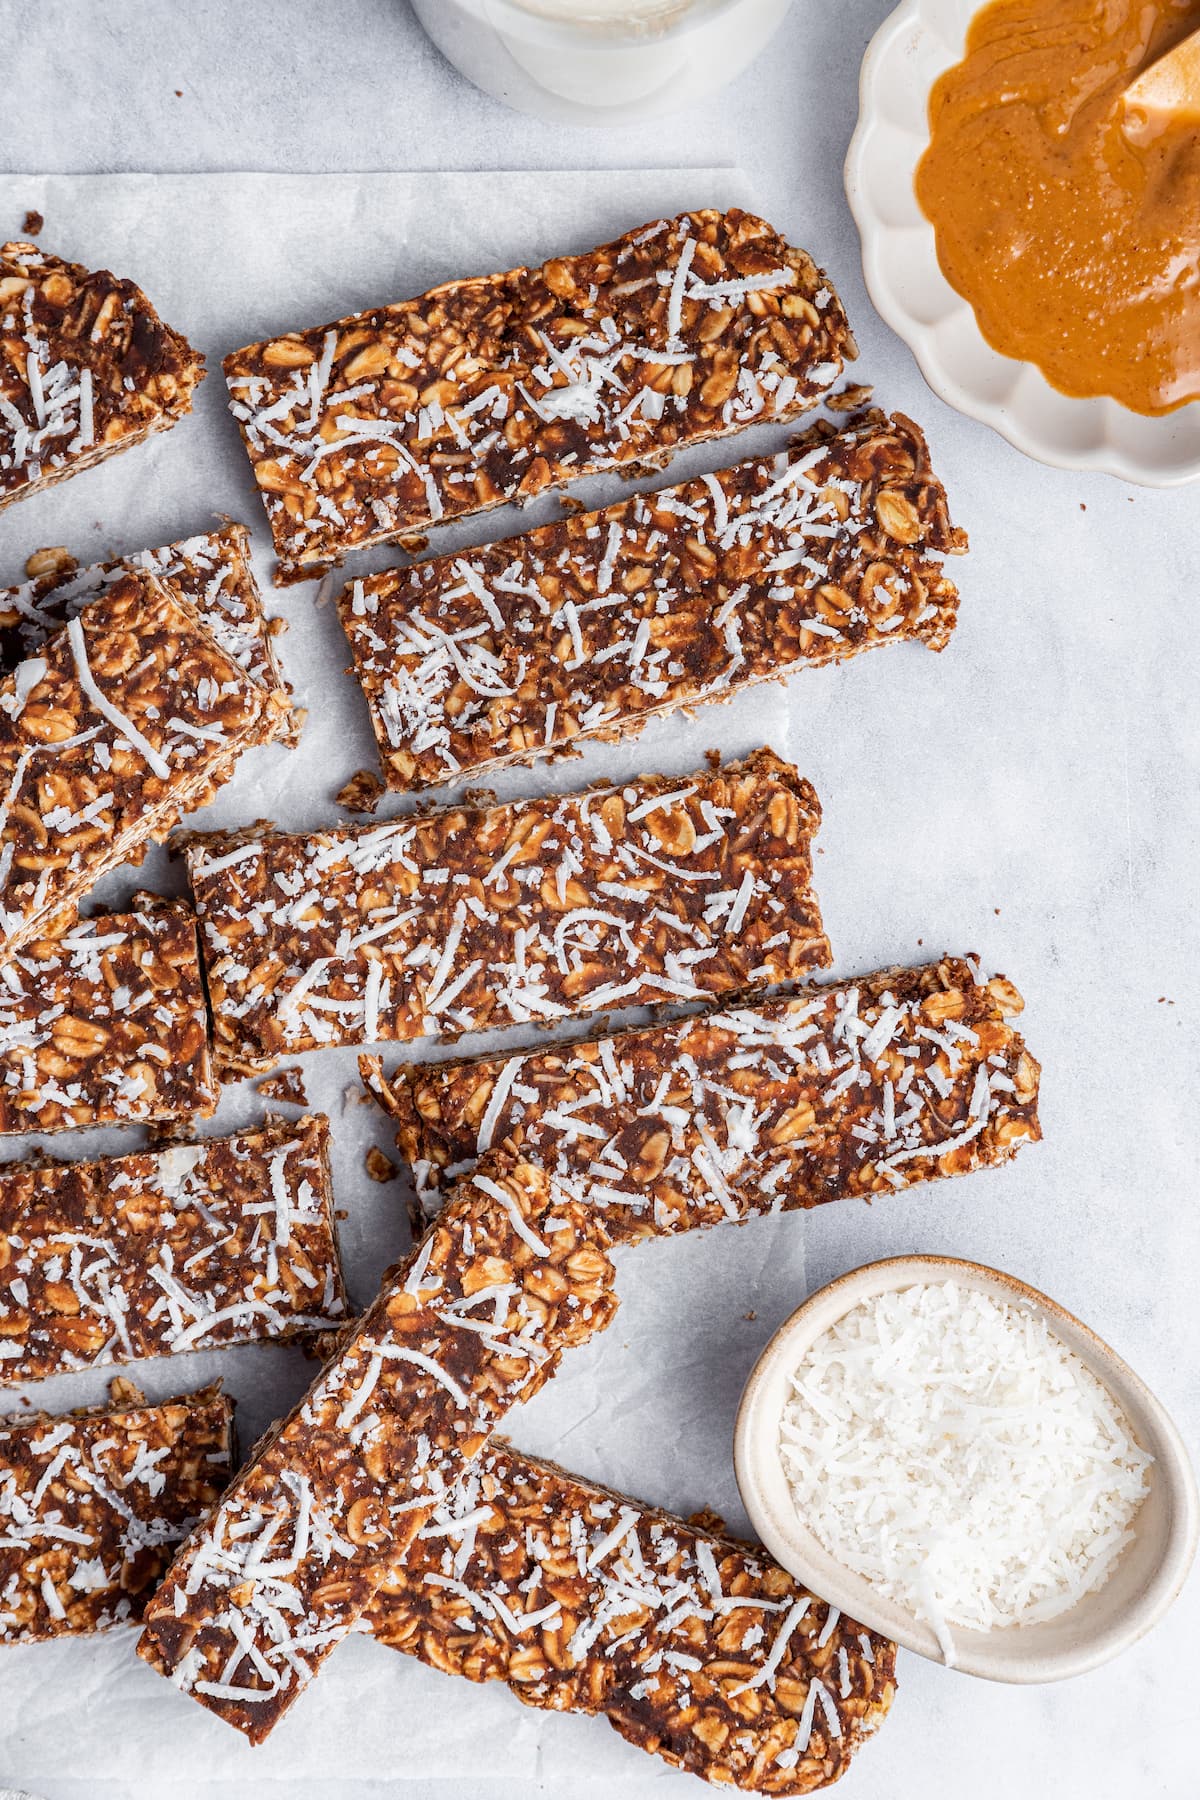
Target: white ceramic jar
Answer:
[[600, 62]]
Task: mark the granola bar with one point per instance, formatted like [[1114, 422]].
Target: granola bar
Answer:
[[130, 716], [470, 917], [850, 1090], [695, 1647], [93, 1504], [87, 369], [498, 387], [473, 1321], [189, 1247], [211, 573], [106, 1024], [591, 625]]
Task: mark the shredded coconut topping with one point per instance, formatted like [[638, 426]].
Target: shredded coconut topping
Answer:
[[949, 1448]]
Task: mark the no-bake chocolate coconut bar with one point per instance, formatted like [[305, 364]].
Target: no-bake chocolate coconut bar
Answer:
[[664, 889], [93, 1504], [190, 1247], [106, 1024], [474, 1320], [591, 625], [210, 572], [128, 717], [856, 1089], [87, 369], [498, 387], [694, 1647]]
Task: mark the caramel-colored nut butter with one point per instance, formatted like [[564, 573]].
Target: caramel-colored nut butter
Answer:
[[1075, 239]]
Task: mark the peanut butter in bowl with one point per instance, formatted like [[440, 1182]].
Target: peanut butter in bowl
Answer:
[[1074, 237]]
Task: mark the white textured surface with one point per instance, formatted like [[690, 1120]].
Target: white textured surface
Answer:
[[1046, 765]]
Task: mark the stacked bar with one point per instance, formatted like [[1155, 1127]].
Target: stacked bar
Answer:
[[92, 1506], [87, 369], [499, 387], [695, 1648], [106, 1024], [593, 624], [188, 1248], [858, 1089], [211, 573], [664, 889], [474, 1321], [129, 717]]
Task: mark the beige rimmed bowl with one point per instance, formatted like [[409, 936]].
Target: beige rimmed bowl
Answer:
[[1146, 1579]]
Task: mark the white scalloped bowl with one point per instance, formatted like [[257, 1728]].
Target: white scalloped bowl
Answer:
[[920, 40]]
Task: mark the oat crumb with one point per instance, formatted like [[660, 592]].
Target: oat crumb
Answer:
[[362, 793], [379, 1166], [850, 398], [55, 560], [287, 1085]]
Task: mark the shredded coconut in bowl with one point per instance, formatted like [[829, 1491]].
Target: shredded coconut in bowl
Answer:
[[950, 1449]]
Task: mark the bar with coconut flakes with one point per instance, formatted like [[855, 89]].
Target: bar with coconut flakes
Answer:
[[211, 573], [499, 387], [469, 917], [106, 1024], [698, 1649], [128, 717], [192, 1247], [474, 1320], [87, 369], [94, 1503], [593, 624], [842, 1091]]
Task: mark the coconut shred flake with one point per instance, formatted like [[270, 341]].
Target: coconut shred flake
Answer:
[[951, 1450]]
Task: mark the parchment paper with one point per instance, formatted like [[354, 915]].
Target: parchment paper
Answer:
[[1030, 795]]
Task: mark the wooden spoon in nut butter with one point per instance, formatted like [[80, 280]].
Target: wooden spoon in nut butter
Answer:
[[1166, 93], [1062, 179]]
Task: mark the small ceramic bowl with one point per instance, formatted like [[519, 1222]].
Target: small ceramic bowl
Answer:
[[915, 45], [1147, 1577]]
